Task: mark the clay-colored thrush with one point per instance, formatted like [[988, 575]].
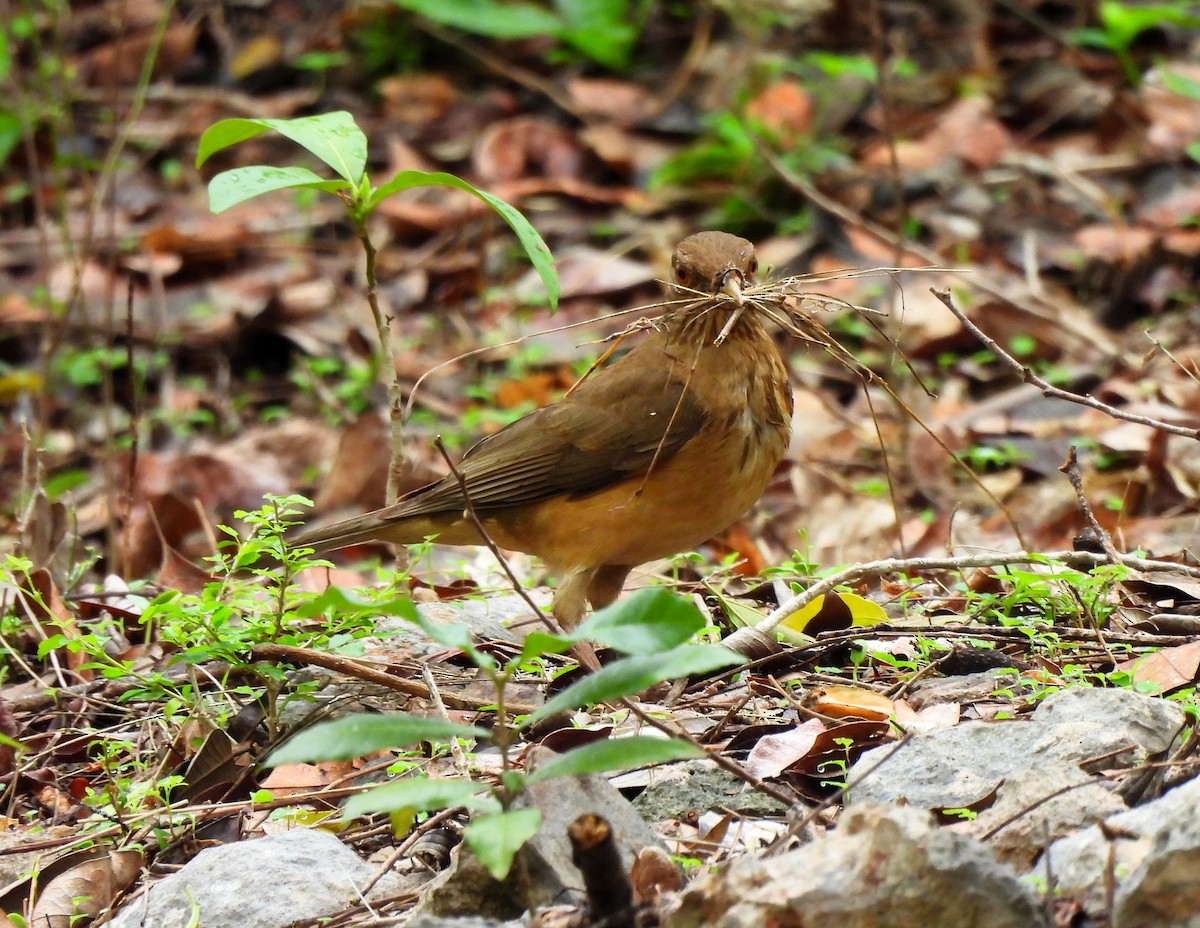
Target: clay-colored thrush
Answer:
[[648, 456]]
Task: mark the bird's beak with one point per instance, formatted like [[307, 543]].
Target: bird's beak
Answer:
[[731, 285]]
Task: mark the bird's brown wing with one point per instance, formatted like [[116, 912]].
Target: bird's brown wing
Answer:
[[598, 436]]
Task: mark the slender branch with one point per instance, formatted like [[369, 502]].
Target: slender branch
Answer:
[[383, 328], [473, 518], [1047, 388], [745, 637], [1070, 467]]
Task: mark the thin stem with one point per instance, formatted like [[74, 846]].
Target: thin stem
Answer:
[[383, 328]]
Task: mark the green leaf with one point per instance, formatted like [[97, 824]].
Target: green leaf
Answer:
[[1181, 84], [632, 675], [487, 17], [337, 601], [229, 188], [604, 30], [495, 839], [333, 137], [419, 794], [527, 235], [650, 621], [10, 134], [5, 55], [740, 615], [365, 733], [538, 644], [615, 754]]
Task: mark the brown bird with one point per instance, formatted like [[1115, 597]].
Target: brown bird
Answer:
[[647, 457]]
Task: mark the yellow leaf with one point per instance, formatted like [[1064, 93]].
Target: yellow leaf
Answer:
[[833, 612]]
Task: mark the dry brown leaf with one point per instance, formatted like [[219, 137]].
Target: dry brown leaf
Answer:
[[523, 146], [773, 754], [1167, 670], [617, 101], [967, 130], [85, 890], [785, 109], [850, 702]]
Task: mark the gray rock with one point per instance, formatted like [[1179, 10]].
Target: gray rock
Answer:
[[700, 785], [1043, 802], [1147, 845], [1164, 891], [968, 688], [1081, 723], [1010, 768], [884, 867], [262, 883], [964, 765]]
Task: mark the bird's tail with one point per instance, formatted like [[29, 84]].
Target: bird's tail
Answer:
[[380, 525]]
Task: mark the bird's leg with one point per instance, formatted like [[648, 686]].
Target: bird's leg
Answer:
[[606, 584], [598, 586], [570, 599]]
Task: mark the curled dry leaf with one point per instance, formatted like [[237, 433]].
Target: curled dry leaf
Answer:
[[850, 702], [654, 874], [775, 753], [85, 890]]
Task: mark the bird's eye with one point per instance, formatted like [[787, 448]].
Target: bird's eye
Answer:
[[752, 267], [681, 274]]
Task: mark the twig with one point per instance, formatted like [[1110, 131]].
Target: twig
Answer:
[[745, 637], [595, 853], [1047, 388], [1070, 467], [980, 279], [439, 705], [434, 821], [727, 764], [473, 518], [362, 671]]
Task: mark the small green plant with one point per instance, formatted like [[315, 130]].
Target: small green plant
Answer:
[[1122, 23], [341, 389], [336, 140], [651, 628], [994, 457], [604, 31], [839, 764]]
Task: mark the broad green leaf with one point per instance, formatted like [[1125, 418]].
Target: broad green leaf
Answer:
[[419, 794], [632, 675], [336, 600], [615, 754], [333, 137], [537, 644], [363, 733], [487, 17], [650, 621], [495, 839], [740, 615], [229, 188], [527, 235], [604, 30]]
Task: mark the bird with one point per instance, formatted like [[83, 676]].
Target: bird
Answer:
[[647, 457]]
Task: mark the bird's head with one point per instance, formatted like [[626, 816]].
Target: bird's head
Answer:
[[713, 263]]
